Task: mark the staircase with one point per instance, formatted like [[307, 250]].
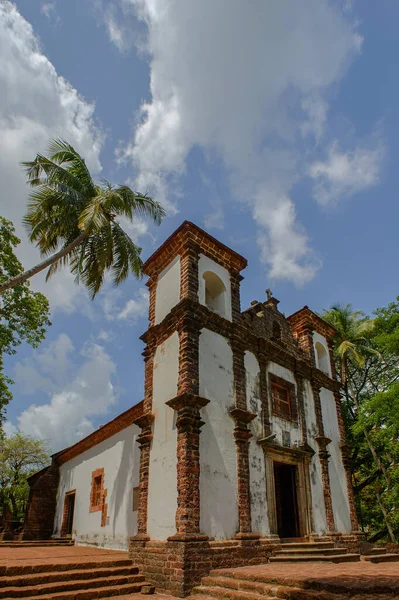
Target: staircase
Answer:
[[313, 552], [380, 555], [70, 581], [37, 543]]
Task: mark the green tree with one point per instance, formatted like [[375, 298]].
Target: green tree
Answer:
[[20, 456], [24, 315], [368, 363], [68, 209]]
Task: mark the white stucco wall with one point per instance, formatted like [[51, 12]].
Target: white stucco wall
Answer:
[[316, 484], [162, 487], [168, 290], [336, 469], [119, 455], [279, 425], [260, 523], [207, 264], [218, 474]]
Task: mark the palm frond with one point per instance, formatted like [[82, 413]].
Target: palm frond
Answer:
[[126, 254], [64, 153]]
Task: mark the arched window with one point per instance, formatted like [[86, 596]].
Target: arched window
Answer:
[[276, 331], [215, 293], [322, 358]]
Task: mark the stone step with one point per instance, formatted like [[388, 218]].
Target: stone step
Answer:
[[209, 592], [11, 544], [57, 576], [378, 550], [87, 594], [245, 585], [380, 558], [307, 551], [335, 558], [10, 571], [56, 588], [305, 546]]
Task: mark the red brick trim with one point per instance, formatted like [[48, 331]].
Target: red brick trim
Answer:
[[306, 316], [102, 506], [100, 435], [94, 505], [290, 387]]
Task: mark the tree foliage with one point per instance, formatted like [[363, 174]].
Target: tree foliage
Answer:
[[74, 221], [24, 315], [367, 355], [20, 456]]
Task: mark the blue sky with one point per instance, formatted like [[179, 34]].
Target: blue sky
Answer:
[[273, 125]]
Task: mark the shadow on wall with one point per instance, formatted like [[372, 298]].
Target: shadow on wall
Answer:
[[126, 479]]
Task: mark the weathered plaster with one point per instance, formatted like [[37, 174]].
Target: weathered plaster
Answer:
[[168, 290], [119, 455], [257, 473], [207, 264], [339, 492], [316, 485], [218, 474], [162, 490]]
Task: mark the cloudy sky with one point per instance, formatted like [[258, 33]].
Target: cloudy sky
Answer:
[[273, 124]]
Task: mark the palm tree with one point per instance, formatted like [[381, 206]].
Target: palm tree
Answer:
[[352, 346], [68, 209], [351, 338]]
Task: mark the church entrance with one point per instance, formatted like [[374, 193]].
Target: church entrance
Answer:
[[285, 485]]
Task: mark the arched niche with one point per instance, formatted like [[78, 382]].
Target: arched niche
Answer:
[[322, 358], [215, 293]]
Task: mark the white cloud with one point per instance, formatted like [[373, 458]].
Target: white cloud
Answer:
[[344, 174], [48, 9], [135, 308], [38, 105], [248, 85], [81, 388], [9, 429]]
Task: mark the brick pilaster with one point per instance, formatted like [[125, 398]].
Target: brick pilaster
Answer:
[[144, 440], [188, 382], [188, 423], [346, 461], [235, 280], [239, 375], [264, 396], [152, 289], [189, 272], [40, 514], [242, 436], [323, 454], [301, 409]]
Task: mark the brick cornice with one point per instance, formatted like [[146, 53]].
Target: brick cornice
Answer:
[[186, 399], [189, 234]]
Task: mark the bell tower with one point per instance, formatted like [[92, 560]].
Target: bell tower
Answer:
[[193, 280]]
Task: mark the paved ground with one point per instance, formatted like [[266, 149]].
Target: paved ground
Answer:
[[56, 555], [333, 577]]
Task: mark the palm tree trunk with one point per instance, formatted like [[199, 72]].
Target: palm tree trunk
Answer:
[[43, 265]]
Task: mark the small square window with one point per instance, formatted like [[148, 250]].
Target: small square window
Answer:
[[97, 484], [281, 400], [97, 497]]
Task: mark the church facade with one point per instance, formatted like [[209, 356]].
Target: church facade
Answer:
[[238, 443]]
